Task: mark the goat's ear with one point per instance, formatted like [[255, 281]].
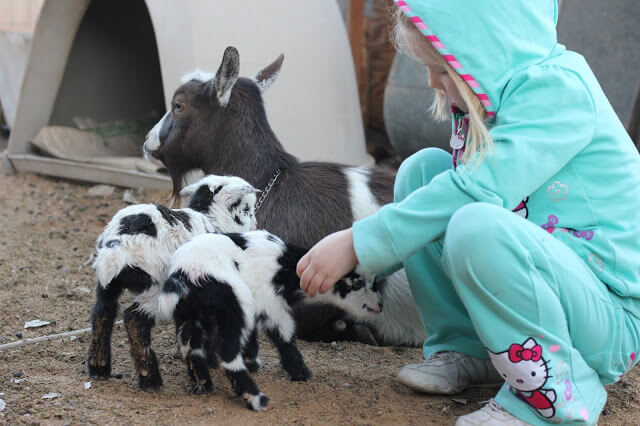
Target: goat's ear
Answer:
[[226, 76], [265, 78]]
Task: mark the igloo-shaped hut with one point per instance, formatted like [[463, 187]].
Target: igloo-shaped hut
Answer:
[[122, 59]]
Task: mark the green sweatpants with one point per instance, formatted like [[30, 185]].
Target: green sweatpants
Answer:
[[500, 286]]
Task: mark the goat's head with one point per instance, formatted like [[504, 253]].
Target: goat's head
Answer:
[[208, 113], [229, 200], [357, 293]]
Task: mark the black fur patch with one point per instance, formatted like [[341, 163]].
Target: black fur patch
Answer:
[[132, 278], [174, 216], [272, 238], [138, 224], [238, 240], [236, 264], [342, 288], [286, 281], [235, 204], [202, 199], [237, 220]]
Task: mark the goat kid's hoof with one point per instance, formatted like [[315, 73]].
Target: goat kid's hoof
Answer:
[[150, 383], [100, 372], [302, 375], [256, 402], [202, 389]]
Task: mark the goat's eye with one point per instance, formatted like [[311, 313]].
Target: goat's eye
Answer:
[[178, 106], [358, 284]]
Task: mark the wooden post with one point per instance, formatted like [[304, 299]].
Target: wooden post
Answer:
[[356, 28]]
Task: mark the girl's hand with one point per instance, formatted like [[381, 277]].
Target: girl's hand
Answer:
[[329, 260]]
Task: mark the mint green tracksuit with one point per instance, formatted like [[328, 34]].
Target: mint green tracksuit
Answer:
[[551, 292]]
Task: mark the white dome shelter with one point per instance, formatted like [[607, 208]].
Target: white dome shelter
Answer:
[[110, 60]]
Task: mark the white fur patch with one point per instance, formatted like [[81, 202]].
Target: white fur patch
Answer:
[[197, 75], [167, 304], [152, 141], [199, 353], [254, 402], [363, 202], [236, 365], [263, 85]]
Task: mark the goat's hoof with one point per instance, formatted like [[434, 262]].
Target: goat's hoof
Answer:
[[99, 372], [252, 365], [150, 383], [256, 402], [301, 376], [200, 389]]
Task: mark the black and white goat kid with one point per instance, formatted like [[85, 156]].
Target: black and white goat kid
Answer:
[[223, 287], [133, 253]]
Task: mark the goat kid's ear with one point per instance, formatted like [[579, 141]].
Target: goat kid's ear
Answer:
[[226, 77], [241, 189], [189, 190], [265, 78]]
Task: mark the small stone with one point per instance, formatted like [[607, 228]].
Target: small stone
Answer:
[[44, 295], [19, 335], [17, 374], [101, 190], [117, 376]]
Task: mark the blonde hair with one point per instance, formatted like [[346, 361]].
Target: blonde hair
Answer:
[[409, 40]]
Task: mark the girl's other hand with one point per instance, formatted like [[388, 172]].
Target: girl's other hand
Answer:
[[329, 260]]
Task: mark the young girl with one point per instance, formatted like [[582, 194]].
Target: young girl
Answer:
[[523, 248]]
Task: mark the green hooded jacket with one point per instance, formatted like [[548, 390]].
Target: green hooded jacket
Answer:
[[557, 142]]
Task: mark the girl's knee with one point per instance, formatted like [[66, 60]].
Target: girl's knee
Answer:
[[418, 170], [473, 235]]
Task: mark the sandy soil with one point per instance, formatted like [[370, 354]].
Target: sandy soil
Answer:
[[47, 230]]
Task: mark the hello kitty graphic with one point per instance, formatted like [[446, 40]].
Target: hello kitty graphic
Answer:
[[524, 369]]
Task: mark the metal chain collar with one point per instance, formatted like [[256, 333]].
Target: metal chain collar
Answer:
[[266, 190]]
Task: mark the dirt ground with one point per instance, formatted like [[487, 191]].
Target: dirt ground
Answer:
[[47, 230]]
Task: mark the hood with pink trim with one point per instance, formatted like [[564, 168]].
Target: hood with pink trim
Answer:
[[487, 42]]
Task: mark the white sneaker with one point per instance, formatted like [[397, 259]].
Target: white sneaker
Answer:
[[449, 373], [491, 414]]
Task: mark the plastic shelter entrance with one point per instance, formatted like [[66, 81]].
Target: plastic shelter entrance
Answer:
[[122, 59]]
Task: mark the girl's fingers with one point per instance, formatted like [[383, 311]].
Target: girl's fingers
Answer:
[[302, 264], [315, 284], [326, 284], [305, 279]]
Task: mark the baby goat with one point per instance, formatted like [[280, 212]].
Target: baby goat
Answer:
[[133, 253], [222, 287]]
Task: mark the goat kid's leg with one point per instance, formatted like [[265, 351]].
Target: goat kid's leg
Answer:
[[103, 316], [212, 344], [250, 352], [235, 369], [138, 325], [193, 346], [290, 357]]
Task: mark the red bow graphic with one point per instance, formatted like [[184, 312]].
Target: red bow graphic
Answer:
[[517, 353]]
